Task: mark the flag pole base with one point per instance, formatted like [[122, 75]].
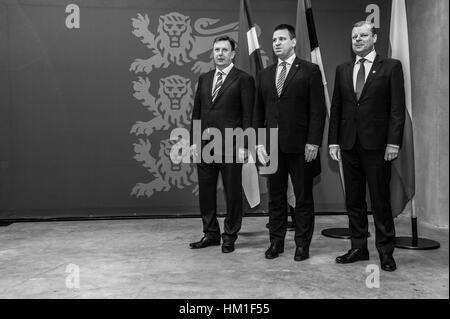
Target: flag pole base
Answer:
[[340, 233], [416, 243]]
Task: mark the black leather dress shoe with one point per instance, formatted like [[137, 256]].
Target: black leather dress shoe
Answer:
[[301, 253], [387, 263], [275, 249], [227, 247], [205, 242], [353, 255]]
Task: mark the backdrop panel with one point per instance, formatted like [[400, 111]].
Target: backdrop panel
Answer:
[[86, 112]]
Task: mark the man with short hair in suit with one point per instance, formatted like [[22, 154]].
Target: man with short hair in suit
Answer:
[[290, 98], [366, 130], [224, 99]]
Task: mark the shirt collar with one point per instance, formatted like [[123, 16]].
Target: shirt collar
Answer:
[[370, 57], [289, 61], [226, 70]]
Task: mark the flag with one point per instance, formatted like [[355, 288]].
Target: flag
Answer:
[[249, 60], [303, 48], [308, 49], [249, 53], [402, 178]]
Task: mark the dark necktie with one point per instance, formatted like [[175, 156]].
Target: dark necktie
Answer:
[[218, 85], [360, 78], [281, 78]]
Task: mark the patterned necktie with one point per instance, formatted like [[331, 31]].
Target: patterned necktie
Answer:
[[360, 78], [218, 85], [281, 78]]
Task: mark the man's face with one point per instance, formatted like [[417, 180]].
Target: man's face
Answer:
[[283, 45], [363, 40], [223, 54]]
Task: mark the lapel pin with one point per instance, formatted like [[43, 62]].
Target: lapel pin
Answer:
[[297, 65], [374, 71]]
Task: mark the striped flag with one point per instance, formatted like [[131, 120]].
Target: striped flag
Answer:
[[306, 35], [402, 179], [249, 60], [248, 56]]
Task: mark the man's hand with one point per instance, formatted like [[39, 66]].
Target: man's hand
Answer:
[[242, 155], [311, 152], [335, 153], [262, 154], [391, 153]]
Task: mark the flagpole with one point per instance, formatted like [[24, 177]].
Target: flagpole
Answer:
[[414, 242]]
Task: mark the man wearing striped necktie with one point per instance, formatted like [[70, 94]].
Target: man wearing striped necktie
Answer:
[[290, 97], [224, 100]]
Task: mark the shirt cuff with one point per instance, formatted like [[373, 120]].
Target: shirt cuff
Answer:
[[394, 146], [331, 145]]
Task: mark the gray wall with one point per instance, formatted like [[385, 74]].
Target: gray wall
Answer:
[[428, 36]]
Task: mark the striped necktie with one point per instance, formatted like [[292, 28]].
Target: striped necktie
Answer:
[[281, 78], [218, 85]]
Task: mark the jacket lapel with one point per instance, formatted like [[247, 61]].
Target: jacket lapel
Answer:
[[294, 68], [349, 78], [273, 77], [209, 78], [373, 72]]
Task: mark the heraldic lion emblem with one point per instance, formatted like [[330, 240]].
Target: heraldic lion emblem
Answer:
[[166, 172], [175, 42], [172, 107]]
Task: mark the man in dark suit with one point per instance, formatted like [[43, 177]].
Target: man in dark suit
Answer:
[[224, 99], [366, 129], [290, 98]]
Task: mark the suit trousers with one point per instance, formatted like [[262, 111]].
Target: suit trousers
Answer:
[[208, 174], [363, 166], [302, 181]]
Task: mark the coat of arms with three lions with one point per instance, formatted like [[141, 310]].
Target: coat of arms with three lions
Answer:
[[178, 52]]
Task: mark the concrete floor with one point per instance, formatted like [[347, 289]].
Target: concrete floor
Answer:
[[151, 259]]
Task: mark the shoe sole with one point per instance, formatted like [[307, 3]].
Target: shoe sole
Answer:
[[389, 270], [301, 259], [351, 262], [193, 247]]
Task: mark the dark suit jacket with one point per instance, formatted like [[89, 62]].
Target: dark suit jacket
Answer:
[[299, 112], [233, 106], [379, 115]]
